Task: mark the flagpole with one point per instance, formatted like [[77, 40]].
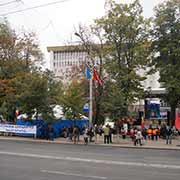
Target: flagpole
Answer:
[[90, 102], [90, 84]]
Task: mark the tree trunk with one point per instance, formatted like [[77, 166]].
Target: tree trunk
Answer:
[[97, 113], [173, 114]]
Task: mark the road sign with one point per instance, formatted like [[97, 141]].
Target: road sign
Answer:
[[86, 108]]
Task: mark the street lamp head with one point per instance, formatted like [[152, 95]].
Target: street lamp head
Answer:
[[77, 34]]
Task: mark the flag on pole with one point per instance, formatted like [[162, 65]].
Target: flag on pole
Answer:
[[96, 77], [88, 73], [17, 111], [142, 122], [177, 121]]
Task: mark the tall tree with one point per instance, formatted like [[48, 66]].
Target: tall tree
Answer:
[[73, 100], [21, 49], [126, 32], [113, 101], [167, 50], [37, 94], [10, 64], [20, 80]]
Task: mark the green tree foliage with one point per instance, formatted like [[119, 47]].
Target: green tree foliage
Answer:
[[113, 104], [73, 100], [126, 33], [10, 64], [37, 94], [6, 99], [8, 41], [21, 81], [167, 50]]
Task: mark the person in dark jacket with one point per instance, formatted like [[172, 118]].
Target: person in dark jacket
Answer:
[[42, 132], [91, 134], [169, 134], [75, 134], [50, 132]]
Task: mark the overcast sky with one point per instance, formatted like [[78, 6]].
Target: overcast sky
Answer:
[[54, 24]]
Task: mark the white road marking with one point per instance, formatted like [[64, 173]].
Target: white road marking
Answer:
[[139, 164], [72, 174]]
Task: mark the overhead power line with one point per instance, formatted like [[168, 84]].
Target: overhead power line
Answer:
[[11, 2], [34, 7]]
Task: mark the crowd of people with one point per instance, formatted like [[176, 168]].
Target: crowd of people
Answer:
[[140, 134], [123, 129], [89, 134]]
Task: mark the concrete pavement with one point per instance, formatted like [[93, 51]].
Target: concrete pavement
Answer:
[[122, 143], [44, 161]]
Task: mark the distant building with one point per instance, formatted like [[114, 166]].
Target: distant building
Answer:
[[68, 62]]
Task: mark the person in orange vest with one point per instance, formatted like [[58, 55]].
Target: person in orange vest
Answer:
[[131, 134], [153, 133], [149, 133], [156, 132]]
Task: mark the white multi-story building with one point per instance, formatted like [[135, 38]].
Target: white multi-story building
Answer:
[[67, 61]]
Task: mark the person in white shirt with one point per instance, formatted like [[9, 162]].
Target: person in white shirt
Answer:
[[138, 138], [85, 135]]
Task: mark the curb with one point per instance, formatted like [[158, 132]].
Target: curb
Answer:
[[102, 145]]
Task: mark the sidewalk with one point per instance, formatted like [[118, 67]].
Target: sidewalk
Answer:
[[121, 143]]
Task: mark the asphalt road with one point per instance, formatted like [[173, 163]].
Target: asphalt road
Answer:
[[43, 161]]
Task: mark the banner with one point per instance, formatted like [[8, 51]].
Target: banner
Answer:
[[18, 129], [177, 120]]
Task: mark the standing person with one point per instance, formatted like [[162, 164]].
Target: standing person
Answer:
[[106, 134], [64, 132], [91, 134], [125, 126], [149, 133], [110, 134], [78, 137], [156, 133], [100, 129], [138, 138], [169, 133], [144, 133], [70, 133], [85, 135], [131, 134], [50, 132], [42, 132], [96, 132], [75, 134], [123, 132], [153, 134]]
